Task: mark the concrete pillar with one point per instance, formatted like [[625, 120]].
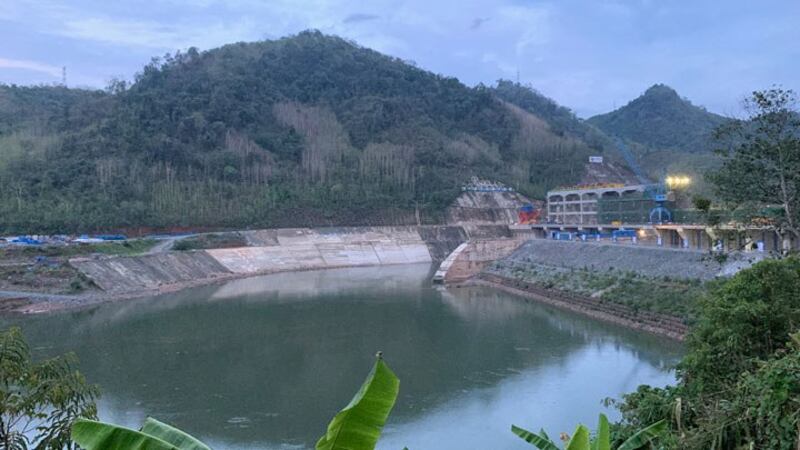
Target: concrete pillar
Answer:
[[659, 237], [716, 243], [684, 238]]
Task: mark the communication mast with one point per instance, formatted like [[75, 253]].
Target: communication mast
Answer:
[[64, 76]]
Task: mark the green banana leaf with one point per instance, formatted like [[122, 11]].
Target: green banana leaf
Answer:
[[603, 439], [174, 436], [541, 440], [93, 435], [358, 426], [644, 436], [580, 439]]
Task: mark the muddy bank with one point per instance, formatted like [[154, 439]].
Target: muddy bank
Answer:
[[661, 324]]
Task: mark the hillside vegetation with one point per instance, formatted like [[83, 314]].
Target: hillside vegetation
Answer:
[[666, 133], [661, 119], [562, 120], [305, 130]]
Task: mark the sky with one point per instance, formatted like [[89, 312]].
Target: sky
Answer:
[[592, 55]]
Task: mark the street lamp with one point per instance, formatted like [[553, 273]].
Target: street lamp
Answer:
[[677, 181]]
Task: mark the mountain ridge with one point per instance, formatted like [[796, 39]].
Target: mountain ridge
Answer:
[[662, 120], [305, 130]]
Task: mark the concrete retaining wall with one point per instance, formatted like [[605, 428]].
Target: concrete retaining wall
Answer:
[[319, 256], [442, 240], [124, 274], [272, 251], [472, 257]]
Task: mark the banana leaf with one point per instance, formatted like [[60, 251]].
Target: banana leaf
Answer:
[[172, 435], [93, 435], [644, 436], [358, 426], [580, 439], [603, 439], [541, 440]]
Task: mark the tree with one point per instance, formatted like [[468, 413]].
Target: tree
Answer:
[[761, 158], [744, 321], [39, 402], [738, 385]]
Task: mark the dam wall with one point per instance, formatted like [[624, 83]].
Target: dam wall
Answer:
[[305, 249], [125, 274], [280, 250]]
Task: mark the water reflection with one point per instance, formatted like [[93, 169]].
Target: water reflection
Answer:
[[266, 362]]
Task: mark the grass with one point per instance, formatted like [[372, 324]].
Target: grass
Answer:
[[660, 295], [211, 240]]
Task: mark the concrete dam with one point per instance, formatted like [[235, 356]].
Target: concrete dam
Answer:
[[280, 250]]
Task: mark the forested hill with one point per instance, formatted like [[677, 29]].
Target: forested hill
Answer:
[[561, 119], [305, 130], [662, 120]]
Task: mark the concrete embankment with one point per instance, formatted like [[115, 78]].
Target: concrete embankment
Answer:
[[651, 262], [271, 251], [472, 257], [660, 324], [305, 249], [124, 274]]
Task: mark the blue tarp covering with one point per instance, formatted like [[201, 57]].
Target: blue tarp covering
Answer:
[[112, 237]]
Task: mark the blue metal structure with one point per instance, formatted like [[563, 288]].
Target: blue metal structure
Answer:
[[616, 234], [631, 160], [657, 191]]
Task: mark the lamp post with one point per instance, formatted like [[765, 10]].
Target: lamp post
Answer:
[[674, 182]]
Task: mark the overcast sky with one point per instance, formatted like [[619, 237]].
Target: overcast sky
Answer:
[[591, 55]]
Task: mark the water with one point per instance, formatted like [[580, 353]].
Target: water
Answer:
[[266, 362]]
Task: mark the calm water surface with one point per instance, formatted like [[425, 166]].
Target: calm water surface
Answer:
[[264, 363]]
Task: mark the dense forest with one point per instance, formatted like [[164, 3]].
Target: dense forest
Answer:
[[305, 130]]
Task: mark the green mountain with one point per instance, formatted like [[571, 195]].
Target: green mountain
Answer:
[[661, 119], [561, 119], [666, 134], [305, 130]]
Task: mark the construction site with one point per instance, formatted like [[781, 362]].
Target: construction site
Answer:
[[615, 220]]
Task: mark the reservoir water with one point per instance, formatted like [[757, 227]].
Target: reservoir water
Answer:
[[265, 363]]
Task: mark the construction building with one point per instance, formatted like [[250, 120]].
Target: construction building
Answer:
[[579, 204]]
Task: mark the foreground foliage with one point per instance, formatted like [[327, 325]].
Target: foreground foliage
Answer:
[[582, 440], [761, 159], [356, 427], [39, 401], [739, 383], [154, 435]]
